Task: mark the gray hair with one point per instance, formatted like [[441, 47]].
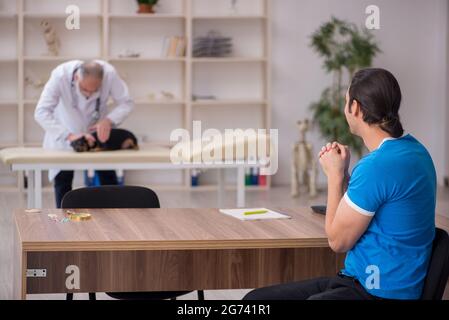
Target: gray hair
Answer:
[[91, 69]]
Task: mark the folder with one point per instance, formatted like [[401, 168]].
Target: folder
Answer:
[[173, 47]]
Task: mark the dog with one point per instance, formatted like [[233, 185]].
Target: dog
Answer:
[[119, 139]]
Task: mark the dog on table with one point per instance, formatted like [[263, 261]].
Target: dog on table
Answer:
[[119, 139]]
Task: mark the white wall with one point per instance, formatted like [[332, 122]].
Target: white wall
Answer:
[[413, 38]]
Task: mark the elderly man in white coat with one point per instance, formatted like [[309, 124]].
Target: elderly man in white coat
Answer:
[[73, 104]]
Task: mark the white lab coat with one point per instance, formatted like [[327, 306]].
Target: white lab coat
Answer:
[[61, 112]]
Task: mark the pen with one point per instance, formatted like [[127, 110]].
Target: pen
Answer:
[[249, 213]]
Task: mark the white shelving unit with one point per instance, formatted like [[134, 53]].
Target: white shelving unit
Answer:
[[241, 83]]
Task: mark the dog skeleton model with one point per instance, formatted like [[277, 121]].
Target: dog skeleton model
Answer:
[[304, 170], [51, 38]]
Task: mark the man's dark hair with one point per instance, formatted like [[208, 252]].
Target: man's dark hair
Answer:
[[378, 93]]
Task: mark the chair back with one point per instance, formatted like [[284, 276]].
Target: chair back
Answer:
[[111, 197], [438, 272]]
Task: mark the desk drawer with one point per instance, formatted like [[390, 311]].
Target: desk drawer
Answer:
[[136, 271]]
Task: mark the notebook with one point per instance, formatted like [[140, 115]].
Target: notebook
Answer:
[[240, 214]]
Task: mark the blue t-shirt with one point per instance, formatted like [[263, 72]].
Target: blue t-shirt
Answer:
[[396, 184]]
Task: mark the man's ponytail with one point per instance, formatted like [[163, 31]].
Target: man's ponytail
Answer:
[[379, 95]]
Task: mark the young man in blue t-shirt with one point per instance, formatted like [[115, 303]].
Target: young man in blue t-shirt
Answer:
[[383, 215]]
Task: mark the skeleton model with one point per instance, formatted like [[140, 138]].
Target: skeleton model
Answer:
[[51, 38], [37, 84], [168, 95], [304, 170], [129, 54], [234, 7]]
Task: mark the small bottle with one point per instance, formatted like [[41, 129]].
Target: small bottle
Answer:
[[255, 176], [120, 177], [195, 178], [248, 179], [89, 178], [262, 180]]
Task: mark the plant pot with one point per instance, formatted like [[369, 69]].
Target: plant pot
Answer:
[[146, 8]]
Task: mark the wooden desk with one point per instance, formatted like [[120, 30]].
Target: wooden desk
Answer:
[[123, 250]]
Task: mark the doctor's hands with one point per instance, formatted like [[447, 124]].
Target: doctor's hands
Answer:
[[103, 129], [335, 159], [90, 139]]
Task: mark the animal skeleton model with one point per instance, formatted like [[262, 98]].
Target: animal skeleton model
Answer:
[[168, 95], [51, 38], [37, 84], [304, 169]]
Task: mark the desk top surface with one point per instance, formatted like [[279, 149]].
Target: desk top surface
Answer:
[[167, 229]]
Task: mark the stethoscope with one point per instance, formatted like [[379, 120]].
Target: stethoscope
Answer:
[[96, 116]]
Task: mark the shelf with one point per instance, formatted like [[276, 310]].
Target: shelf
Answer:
[[146, 16], [58, 15], [30, 101], [56, 58], [136, 102], [174, 102], [9, 189], [158, 102], [229, 60], [228, 102], [8, 15], [145, 102], [8, 102], [4, 145], [230, 17], [117, 59], [8, 60]]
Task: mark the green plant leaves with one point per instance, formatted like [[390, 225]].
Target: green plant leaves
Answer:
[[345, 49], [332, 122], [149, 2]]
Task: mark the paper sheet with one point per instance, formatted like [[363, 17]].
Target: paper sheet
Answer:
[[240, 214]]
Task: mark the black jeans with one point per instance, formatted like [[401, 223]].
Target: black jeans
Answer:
[[64, 180], [337, 288]]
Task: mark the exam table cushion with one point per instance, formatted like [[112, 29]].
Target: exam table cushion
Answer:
[[183, 152], [37, 155]]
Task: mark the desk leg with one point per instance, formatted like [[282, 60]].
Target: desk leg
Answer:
[[240, 187], [221, 187], [38, 189], [30, 189]]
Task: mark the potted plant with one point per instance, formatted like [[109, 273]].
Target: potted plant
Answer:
[[147, 6], [345, 50]]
